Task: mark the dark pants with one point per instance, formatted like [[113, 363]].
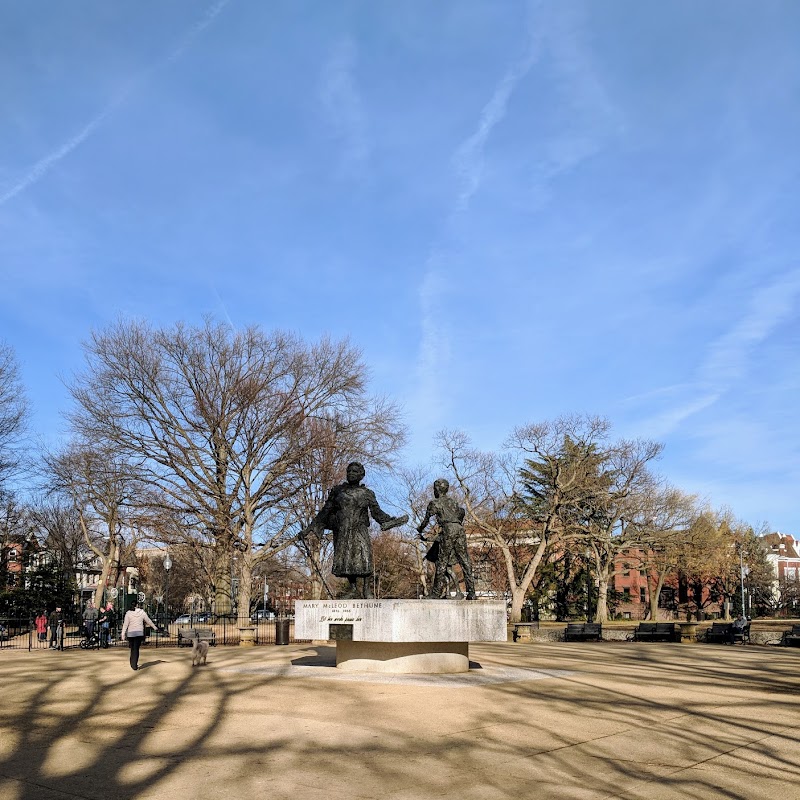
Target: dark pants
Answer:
[[136, 643], [104, 633], [89, 625], [452, 550]]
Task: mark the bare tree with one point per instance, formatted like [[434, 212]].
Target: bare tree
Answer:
[[666, 515], [13, 413], [608, 524], [215, 420], [59, 531], [105, 493], [560, 477]]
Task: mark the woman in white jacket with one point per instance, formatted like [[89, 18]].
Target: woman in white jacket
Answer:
[[133, 630]]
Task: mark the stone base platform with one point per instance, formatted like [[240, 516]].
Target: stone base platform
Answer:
[[403, 658], [401, 636]]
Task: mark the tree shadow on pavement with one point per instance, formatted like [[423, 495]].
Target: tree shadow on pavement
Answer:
[[630, 722]]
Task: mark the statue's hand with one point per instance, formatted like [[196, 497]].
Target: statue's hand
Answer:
[[394, 522]]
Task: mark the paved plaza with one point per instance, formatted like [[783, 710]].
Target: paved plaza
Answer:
[[540, 720]]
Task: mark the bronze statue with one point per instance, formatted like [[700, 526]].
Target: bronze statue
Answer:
[[346, 512], [451, 541]]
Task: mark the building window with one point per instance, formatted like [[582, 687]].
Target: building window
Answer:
[[642, 593], [626, 569], [791, 573], [643, 573], [13, 555], [626, 594]]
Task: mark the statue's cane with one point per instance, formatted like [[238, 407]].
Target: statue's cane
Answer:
[[314, 563]]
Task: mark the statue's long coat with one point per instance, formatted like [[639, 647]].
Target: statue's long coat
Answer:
[[346, 512]]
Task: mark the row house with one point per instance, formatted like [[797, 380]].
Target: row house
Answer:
[[783, 553], [629, 581]]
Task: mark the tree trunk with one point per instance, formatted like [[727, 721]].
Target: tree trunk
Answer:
[[655, 594], [222, 582], [601, 615], [517, 599], [245, 590], [108, 562]]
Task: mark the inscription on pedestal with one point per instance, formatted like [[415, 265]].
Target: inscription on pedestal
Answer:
[[403, 620], [340, 633]]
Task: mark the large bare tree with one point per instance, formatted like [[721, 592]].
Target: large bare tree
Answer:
[[216, 419], [106, 495], [13, 414], [666, 515], [608, 523]]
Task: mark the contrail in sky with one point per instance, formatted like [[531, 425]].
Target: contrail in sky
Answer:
[[43, 166]]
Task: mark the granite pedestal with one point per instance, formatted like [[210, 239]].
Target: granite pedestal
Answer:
[[401, 636]]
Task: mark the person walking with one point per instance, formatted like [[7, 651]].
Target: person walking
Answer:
[[133, 630], [41, 626]]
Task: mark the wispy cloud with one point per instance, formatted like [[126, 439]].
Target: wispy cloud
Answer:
[[468, 164], [770, 307], [590, 118], [344, 108], [469, 159], [45, 164], [727, 358]]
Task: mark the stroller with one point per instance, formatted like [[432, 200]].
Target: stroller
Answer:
[[90, 642]]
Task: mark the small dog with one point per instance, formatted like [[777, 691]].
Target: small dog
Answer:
[[199, 652]]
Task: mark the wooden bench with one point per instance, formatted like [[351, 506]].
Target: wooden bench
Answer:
[[656, 632], [791, 638], [188, 635], [583, 632]]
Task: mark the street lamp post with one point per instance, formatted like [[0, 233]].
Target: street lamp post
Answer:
[[588, 586], [167, 567], [743, 572]]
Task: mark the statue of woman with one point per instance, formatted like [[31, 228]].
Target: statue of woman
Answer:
[[346, 512]]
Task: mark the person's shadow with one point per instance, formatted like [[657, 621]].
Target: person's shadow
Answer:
[[148, 664]]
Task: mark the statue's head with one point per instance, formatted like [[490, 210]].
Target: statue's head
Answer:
[[355, 472], [440, 487]]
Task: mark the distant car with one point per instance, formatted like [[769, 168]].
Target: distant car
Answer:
[[193, 619], [260, 616], [3, 632]]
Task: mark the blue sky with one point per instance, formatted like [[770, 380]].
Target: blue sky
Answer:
[[516, 210]]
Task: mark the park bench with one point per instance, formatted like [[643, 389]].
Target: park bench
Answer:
[[188, 635], [583, 631], [726, 633], [656, 632], [741, 634], [791, 638], [720, 633]]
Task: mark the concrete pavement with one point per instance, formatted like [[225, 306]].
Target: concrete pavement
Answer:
[[541, 720]]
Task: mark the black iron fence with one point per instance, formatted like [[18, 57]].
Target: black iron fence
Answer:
[[22, 634]]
